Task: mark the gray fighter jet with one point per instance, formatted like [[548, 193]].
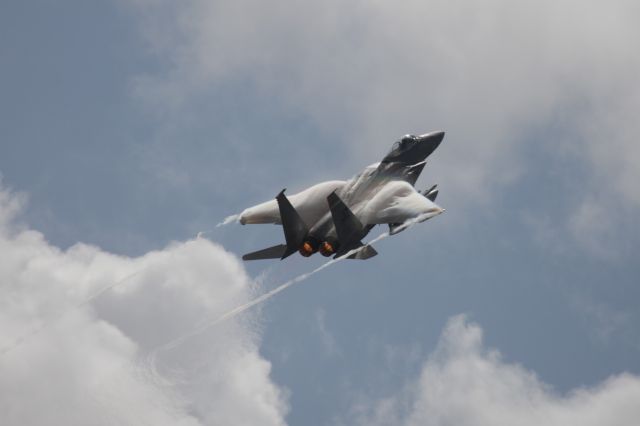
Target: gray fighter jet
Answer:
[[333, 217]]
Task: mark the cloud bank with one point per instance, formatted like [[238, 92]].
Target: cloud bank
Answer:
[[72, 358], [70, 362], [463, 383]]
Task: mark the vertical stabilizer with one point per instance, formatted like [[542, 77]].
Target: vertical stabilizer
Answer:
[[295, 230]]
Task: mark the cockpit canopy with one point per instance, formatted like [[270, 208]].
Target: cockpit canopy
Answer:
[[403, 143], [412, 149]]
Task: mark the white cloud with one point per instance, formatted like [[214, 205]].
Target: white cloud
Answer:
[[70, 362], [463, 383]]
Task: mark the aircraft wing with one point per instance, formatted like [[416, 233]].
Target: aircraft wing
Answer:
[[396, 203]]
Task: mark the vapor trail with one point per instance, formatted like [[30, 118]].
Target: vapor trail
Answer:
[[229, 219], [232, 313], [238, 310], [151, 364]]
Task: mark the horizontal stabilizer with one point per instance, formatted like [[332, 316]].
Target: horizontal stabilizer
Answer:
[[274, 252], [364, 253]]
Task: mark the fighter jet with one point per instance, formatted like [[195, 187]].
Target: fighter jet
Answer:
[[333, 217]]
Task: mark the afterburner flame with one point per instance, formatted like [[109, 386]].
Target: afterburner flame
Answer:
[[307, 249], [327, 249]]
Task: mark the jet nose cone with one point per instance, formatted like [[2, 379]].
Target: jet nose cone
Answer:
[[435, 137], [427, 143]]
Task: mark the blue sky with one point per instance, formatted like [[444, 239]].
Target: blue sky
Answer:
[[131, 126]]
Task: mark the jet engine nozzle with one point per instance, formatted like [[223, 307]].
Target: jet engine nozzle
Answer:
[[328, 248], [309, 247]]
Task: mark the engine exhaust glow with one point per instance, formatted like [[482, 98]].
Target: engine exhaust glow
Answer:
[[327, 249], [309, 247]]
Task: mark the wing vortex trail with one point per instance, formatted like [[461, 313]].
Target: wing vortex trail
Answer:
[[229, 220], [238, 310]]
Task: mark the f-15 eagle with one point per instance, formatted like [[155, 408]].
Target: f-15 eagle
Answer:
[[333, 217]]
